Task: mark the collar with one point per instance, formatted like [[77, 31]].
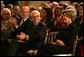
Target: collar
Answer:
[[25, 19]]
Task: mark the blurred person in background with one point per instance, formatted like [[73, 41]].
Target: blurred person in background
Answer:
[[6, 28], [79, 23], [2, 6], [46, 15]]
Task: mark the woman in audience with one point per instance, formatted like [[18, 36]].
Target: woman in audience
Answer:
[[65, 38], [53, 6], [57, 23], [46, 15]]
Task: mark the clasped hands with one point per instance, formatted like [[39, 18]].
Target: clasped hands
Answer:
[[22, 36]]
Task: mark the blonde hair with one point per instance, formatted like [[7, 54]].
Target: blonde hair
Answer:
[[72, 7], [70, 13]]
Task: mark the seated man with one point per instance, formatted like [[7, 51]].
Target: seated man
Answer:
[[16, 14], [25, 26], [65, 38], [36, 38]]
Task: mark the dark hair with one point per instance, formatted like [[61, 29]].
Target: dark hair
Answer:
[[9, 6], [56, 9], [61, 4], [49, 12]]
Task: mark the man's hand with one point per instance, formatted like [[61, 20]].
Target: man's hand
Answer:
[[14, 21], [22, 36]]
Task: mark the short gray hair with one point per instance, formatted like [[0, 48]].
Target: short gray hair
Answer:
[[35, 11], [7, 10]]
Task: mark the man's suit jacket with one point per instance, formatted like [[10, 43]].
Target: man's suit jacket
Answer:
[[36, 39], [19, 18], [17, 47], [26, 28]]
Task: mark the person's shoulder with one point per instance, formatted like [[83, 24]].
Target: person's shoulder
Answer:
[[74, 27], [43, 23], [28, 20]]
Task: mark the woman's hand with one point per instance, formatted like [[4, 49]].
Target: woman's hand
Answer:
[[60, 42]]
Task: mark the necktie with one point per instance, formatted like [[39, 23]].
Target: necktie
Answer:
[[21, 22]]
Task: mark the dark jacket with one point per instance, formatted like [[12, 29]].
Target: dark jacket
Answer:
[[19, 18], [37, 36], [26, 28], [67, 35]]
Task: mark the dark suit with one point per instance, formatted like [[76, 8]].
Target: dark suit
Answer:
[[67, 35], [26, 28], [19, 18], [37, 36]]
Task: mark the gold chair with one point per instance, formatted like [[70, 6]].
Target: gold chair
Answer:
[[48, 39], [74, 46], [34, 52], [74, 49], [52, 35]]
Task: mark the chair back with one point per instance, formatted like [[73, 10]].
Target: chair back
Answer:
[[74, 45], [74, 49], [50, 37]]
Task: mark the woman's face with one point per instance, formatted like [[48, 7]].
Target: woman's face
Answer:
[[81, 10], [66, 19], [43, 13]]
